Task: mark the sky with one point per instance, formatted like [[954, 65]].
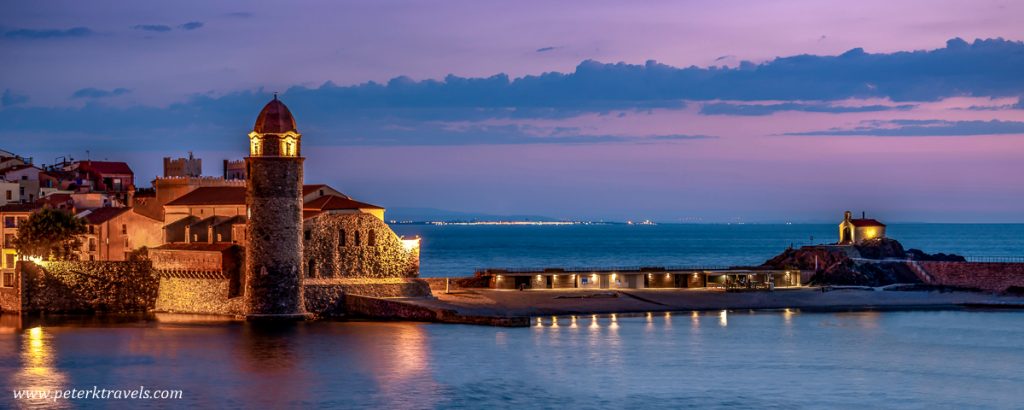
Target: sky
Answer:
[[675, 111]]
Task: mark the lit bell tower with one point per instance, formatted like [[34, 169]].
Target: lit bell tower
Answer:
[[273, 255]]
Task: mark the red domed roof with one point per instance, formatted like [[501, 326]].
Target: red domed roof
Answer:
[[275, 118]]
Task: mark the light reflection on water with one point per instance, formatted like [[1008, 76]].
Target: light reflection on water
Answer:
[[743, 359]]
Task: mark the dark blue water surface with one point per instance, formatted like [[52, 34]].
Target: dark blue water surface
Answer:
[[456, 250], [756, 360]]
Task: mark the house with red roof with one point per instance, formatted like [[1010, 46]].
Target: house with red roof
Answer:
[[853, 231]]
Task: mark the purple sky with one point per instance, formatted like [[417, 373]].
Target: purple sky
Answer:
[[934, 135]]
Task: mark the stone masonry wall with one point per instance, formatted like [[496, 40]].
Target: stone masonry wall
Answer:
[[378, 252], [273, 265], [88, 286], [991, 277], [10, 297], [191, 295], [326, 297]]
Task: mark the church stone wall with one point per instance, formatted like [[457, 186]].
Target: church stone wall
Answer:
[[377, 253], [274, 234]]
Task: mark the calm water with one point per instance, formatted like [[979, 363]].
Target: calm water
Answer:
[[458, 250], [915, 360]]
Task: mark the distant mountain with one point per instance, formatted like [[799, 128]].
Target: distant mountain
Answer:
[[432, 214]]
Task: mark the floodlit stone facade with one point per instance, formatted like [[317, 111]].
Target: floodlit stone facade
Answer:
[[356, 246]]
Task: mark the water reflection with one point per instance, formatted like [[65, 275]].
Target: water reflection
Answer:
[[38, 365], [723, 318]]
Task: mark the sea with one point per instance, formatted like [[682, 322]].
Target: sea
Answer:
[[730, 359], [459, 250]]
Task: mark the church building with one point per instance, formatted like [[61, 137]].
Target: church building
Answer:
[[256, 247], [853, 231]]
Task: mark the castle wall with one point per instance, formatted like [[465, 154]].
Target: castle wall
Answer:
[[991, 277], [378, 253], [327, 297], [85, 286], [198, 295]]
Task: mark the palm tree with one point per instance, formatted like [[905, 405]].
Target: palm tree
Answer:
[[50, 234]]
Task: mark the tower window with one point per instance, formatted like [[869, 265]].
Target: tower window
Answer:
[[308, 235], [342, 238], [359, 241], [371, 238], [311, 269]]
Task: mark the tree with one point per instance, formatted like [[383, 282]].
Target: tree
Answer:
[[50, 234]]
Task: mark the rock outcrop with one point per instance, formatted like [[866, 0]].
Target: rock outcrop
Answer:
[[876, 262]]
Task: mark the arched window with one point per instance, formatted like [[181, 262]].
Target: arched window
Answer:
[[359, 241], [255, 150], [371, 238], [342, 238], [311, 269]]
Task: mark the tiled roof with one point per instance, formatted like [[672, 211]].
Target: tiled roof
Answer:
[[334, 202], [275, 118], [865, 222], [212, 195], [105, 167], [101, 215], [20, 207]]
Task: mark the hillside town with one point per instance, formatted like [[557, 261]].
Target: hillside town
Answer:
[[183, 210]]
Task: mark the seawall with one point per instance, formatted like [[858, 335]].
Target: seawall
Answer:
[[986, 276]]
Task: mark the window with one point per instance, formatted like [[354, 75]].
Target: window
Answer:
[[126, 241], [8, 279], [10, 195], [371, 238], [92, 258], [92, 246], [342, 238], [308, 235], [9, 221], [8, 240], [310, 269], [359, 242], [124, 229], [9, 260], [92, 229]]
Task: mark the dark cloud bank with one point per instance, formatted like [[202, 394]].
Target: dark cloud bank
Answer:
[[924, 128], [403, 111], [31, 34]]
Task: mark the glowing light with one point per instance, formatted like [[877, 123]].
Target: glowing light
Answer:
[[410, 244], [870, 233], [787, 315], [593, 322], [540, 322], [36, 260], [723, 318], [554, 321], [572, 322], [650, 317]]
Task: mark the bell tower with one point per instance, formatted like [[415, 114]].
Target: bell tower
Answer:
[[273, 255]]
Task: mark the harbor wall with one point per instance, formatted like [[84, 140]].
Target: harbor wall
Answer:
[[87, 286], [986, 276]]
